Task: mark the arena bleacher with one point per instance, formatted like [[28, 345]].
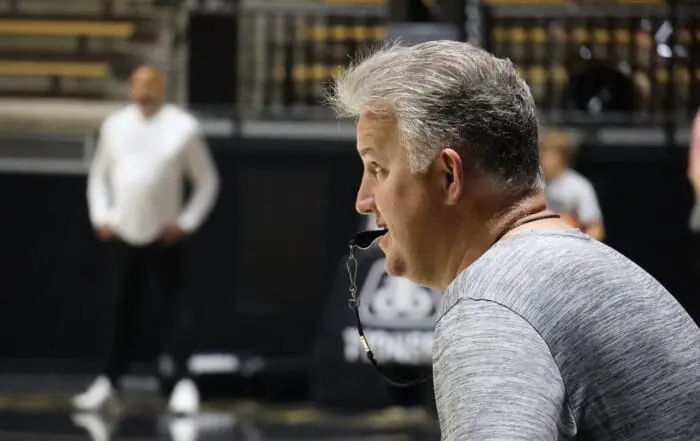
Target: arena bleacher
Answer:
[[76, 53]]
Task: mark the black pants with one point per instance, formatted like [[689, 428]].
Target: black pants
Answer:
[[129, 271]]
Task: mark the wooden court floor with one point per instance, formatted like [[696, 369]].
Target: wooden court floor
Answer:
[[36, 414]]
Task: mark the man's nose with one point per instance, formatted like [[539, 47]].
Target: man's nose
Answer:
[[365, 200]]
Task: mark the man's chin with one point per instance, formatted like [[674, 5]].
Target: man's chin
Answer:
[[394, 267]]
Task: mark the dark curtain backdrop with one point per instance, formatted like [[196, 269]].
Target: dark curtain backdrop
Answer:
[[263, 266]]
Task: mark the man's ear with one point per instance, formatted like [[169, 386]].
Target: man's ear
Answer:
[[451, 169]]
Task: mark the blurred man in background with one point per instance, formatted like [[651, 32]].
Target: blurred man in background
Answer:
[[568, 192], [135, 196]]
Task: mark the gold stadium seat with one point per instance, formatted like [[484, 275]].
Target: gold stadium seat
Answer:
[[566, 2], [526, 2], [80, 64], [75, 69], [67, 28], [355, 2]]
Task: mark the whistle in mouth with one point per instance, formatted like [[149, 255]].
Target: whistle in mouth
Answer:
[[364, 239]]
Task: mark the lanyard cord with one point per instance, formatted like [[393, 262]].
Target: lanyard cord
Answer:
[[526, 221]]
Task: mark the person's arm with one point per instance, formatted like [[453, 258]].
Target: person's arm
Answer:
[[694, 173], [589, 213], [694, 156], [98, 183], [201, 169], [495, 378], [694, 220]]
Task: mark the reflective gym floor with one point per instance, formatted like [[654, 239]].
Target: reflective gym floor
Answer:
[[37, 408]]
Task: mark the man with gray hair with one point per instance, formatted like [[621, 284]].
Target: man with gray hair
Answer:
[[543, 333]]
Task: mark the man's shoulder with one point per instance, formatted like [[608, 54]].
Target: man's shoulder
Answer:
[[535, 269], [610, 329], [179, 115], [569, 279]]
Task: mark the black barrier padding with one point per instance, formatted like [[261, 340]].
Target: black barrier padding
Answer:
[[50, 260], [51, 306], [277, 257], [646, 200], [337, 384], [342, 378]]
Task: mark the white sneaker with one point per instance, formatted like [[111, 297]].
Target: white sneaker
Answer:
[[184, 429], [95, 426], [97, 395], [185, 398]]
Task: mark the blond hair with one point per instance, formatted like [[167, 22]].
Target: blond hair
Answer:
[[560, 143]]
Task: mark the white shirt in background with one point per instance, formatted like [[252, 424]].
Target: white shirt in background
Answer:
[[136, 180], [574, 195]]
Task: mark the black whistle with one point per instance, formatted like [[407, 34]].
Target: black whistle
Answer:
[[364, 239]]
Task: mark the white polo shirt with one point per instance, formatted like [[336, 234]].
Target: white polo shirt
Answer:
[[136, 180]]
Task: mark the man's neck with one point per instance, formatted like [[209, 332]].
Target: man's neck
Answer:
[[479, 238]]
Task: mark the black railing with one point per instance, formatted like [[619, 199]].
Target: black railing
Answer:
[[287, 56], [614, 64], [587, 66]]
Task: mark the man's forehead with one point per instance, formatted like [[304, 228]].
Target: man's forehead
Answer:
[[373, 134], [371, 147]]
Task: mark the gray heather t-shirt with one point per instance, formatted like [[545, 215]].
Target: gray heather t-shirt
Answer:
[[573, 194], [551, 335]]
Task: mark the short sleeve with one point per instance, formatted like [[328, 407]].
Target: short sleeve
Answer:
[[588, 209], [495, 378]]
